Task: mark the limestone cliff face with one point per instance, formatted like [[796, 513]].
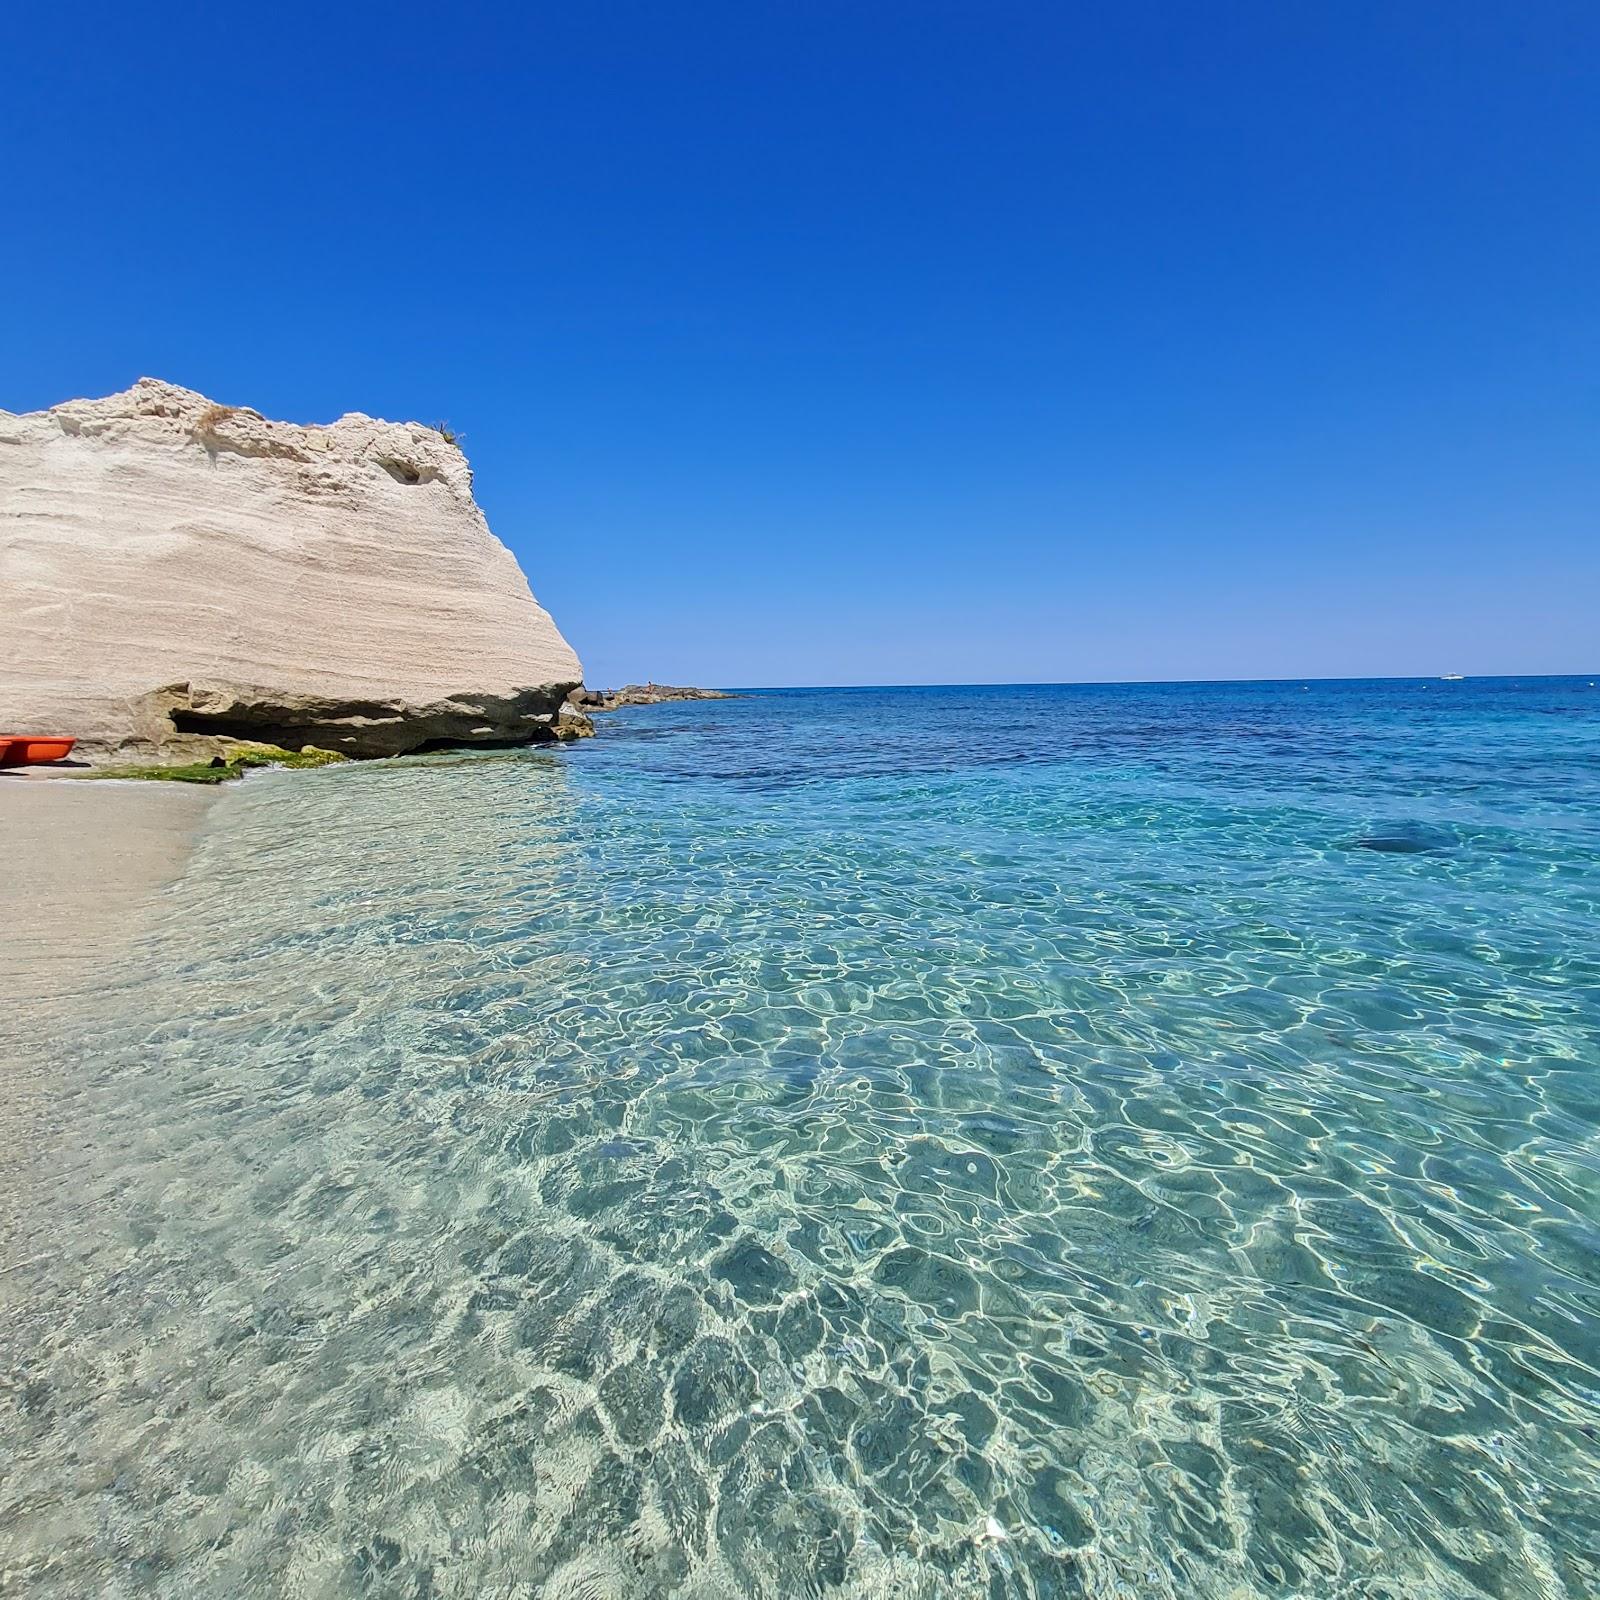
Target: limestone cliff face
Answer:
[[174, 573]]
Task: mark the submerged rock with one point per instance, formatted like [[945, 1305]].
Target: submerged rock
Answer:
[[1406, 839], [179, 574]]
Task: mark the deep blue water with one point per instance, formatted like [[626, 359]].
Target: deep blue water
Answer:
[[1106, 1141]]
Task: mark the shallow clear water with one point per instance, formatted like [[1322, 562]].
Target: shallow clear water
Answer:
[[1106, 1141]]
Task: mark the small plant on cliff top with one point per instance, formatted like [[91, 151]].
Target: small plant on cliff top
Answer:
[[449, 434], [212, 417]]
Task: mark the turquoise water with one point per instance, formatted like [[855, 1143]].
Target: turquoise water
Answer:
[[1109, 1141]]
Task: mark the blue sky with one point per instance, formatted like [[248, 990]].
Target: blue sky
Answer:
[[814, 343]]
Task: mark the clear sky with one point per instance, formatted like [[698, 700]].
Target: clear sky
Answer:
[[870, 342]]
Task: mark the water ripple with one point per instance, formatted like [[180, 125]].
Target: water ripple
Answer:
[[1001, 1142]]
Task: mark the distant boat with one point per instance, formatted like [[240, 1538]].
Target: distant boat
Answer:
[[1451, 677]]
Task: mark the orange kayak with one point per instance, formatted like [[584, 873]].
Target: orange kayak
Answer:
[[32, 750]]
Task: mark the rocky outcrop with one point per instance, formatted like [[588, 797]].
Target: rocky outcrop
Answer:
[[176, 575], [642, 694]]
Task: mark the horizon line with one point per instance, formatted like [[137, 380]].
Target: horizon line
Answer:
[[1154, 683]]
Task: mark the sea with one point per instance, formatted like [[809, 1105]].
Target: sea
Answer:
[[1114, 1141]]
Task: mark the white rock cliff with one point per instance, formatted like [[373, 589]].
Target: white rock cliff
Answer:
[[174, 573]]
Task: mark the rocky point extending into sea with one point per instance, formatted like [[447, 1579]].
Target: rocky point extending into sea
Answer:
[[642, 694]]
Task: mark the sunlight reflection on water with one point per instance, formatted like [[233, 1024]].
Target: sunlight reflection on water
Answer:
[[935, 1143]]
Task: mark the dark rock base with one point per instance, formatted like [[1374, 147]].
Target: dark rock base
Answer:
[[190, 721]]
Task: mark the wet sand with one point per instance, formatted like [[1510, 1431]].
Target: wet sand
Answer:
[[85, 863]]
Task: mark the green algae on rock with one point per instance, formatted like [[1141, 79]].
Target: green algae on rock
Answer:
[[222, 769]]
